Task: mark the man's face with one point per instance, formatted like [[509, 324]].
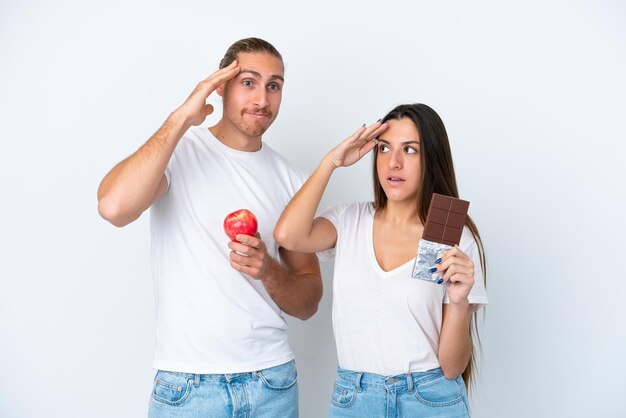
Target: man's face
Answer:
[[252, 98]]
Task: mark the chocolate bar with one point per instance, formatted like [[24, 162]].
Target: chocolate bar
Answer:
[[443, 230], [445, 220]]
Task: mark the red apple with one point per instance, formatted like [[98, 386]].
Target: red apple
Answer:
[[241, 221]]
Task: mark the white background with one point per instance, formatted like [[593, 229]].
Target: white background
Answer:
[[532, 94]]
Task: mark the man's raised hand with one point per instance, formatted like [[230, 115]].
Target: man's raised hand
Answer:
[[195, 109]]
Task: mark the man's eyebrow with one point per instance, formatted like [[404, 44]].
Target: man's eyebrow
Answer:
[[404, 143], [256, 74]]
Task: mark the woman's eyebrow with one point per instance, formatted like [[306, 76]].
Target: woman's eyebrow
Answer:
[[404, 143]]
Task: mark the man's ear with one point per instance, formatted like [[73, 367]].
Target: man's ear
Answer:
[[220, 90]]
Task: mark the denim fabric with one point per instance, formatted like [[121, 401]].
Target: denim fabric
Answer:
[[423, 394], [269, 393]]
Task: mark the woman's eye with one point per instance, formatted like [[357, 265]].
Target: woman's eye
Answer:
[[410, 150], [383, 148]]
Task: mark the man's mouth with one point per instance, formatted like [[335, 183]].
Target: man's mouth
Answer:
[[258, 114]]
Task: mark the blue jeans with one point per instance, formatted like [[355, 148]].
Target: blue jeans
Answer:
[[269, 393], [422, 394]]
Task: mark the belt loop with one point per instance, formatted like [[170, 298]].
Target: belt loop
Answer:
[[196, 380], [357, 384], [409, 382]]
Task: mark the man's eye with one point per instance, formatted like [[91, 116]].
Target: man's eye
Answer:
[[247, 83], [382, 148], [274, 87]]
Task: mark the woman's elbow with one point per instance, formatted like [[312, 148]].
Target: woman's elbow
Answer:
[[283, 238], [450, 371], [451, 375]]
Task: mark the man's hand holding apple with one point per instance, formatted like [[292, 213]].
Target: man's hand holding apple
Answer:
[[249, 255]]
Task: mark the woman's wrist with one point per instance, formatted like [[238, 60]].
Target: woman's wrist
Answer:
[[462, 304], [328, 162]]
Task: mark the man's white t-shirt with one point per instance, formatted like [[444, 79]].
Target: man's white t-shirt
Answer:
[[211, 318], [386, 323]]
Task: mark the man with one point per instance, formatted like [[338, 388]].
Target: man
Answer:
[[221, 347]]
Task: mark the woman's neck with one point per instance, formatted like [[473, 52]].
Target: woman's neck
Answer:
[[400, 213]]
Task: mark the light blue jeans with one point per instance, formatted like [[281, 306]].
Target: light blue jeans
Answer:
[[269, 393], [423, 394]]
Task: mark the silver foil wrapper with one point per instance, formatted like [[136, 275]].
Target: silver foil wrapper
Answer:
[[427, 253]]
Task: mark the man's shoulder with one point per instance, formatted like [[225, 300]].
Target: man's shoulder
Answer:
[[279, 160], [191, 138]]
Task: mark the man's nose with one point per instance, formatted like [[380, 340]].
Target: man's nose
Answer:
[[261, 99]]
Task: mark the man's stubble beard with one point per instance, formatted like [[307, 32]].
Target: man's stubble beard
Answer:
[[249, 129]]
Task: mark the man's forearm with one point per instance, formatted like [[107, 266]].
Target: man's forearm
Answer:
[[128, 189], [296, 294]]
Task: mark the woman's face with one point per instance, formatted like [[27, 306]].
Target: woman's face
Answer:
[[398, 162]]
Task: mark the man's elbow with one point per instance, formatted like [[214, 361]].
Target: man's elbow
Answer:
[[308, 313], [311, 307], [112, 212]]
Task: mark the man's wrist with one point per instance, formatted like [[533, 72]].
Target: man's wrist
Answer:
[[271, 276], [179, 119]]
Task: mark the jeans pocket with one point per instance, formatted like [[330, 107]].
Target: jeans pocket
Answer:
[[343, 397], [439, 392], [281, 377], [171, 388]]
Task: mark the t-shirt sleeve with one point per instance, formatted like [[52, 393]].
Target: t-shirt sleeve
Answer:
[[334, 215], [478, 295], [168, 175]]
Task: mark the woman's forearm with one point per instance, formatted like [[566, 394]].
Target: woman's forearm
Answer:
[[294, 227], [455, 344]]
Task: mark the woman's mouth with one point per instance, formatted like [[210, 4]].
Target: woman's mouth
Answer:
[[395, 180]]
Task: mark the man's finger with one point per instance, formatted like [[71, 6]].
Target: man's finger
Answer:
[[223, 74], [249, 240], [240, 248]]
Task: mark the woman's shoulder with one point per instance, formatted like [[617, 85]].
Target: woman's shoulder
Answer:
[[359, 209], [348, 212], [352, 208]]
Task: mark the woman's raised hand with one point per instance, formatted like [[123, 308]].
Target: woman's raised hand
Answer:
[[353, 148]]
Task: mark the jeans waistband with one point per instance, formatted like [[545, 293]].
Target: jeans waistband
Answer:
[[223, 377], [362, 380]]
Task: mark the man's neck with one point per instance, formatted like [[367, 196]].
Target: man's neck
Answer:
[[233, 138]]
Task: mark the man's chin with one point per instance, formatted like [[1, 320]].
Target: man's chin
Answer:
[[256, 130]]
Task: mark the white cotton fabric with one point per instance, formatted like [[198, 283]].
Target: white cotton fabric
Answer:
[[211, 318], [386, 323]]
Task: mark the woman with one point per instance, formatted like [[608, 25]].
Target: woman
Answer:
[[402, 343]]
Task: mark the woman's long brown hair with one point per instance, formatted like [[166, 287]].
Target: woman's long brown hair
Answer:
[[437, 177]]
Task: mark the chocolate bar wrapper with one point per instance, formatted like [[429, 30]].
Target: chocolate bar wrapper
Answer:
[[427, 253]]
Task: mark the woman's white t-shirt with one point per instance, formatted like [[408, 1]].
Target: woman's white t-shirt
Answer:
[[386, 323]]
